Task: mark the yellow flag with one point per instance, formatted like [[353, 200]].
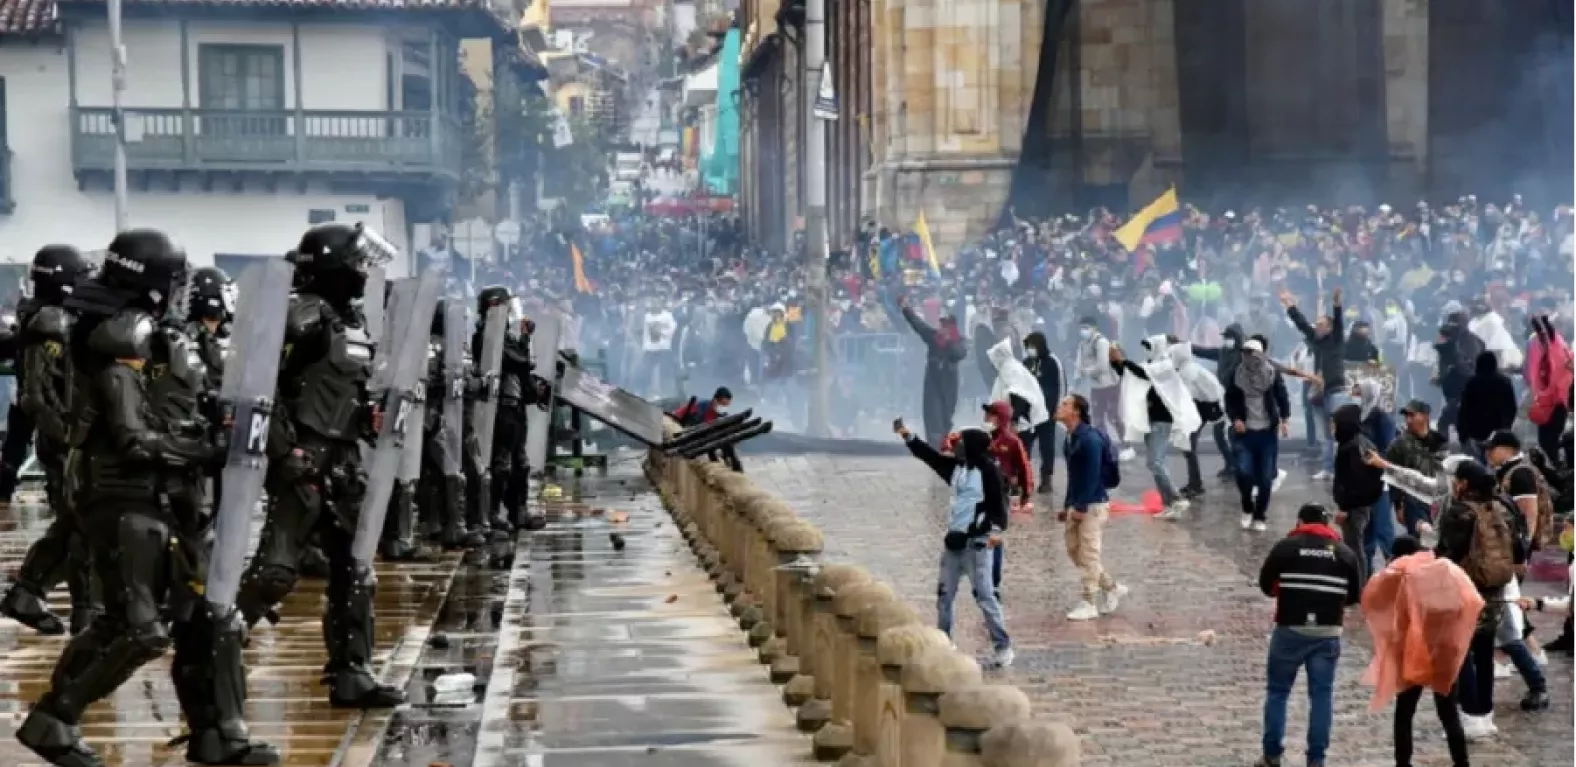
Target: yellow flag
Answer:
[[923, 230], [582, 284]]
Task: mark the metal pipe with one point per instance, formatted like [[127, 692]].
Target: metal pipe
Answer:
[[118, 113], [814, 154]]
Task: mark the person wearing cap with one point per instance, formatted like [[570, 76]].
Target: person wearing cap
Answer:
[[1517, 479], [1417, 447], [1257, 405], [1313, 577]]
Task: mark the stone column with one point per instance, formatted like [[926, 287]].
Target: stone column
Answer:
[[968, 712], [896, 649], [811, 691], [1406, 93], [791, 540], [1025, 742], [925, 680], [870, 623], [837, 736]]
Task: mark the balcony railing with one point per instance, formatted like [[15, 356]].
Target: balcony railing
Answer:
[[416, 143]]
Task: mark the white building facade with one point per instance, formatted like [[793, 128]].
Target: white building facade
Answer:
[[245, 123]]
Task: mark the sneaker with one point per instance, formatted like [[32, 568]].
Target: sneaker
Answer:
[[1323, 476], [1110, 599], [1504, 670], [1002, 658], [1260, 526], [1127, 454], [1474, 727], [1085, 611], [1175, 511], [1268, 761], [1535, 700], [1280, 476], [1247, 521]]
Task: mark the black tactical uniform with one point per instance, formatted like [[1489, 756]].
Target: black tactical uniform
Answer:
[[443, 494], [211, 307], [397, 543], [43, 378], [315, 477], [509, 471], [123, 475], [19, 427]]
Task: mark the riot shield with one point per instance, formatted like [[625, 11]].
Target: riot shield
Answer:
[[246, 401], [489, 363], [539, 419], [372, 303], [453, 431], [399, 365]]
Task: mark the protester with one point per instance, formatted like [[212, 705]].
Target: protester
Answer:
[[1357, 486], [1488, 404], [1207, 394], [1417, 448], [1094, 368], [1313, 577], [945, 348], [1457, 351], [1258, 406], [1379, 427], [1326, 340], [1047, 371], [1157, 409], [975, 524], [1422, 612], [1012, 458], [1475, 533], [1226, 357], [1517, 479], [1090, 461], [1550, 378]]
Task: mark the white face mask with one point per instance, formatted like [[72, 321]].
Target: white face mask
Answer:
[[1086, 333], [1030, 353], [1229, 343]]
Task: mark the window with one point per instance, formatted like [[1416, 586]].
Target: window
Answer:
[[577, 105], [237, 79]]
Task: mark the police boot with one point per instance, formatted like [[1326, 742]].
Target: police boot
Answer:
[[94, 664], [210, 682], [478, 505], [429, 515], [57, 741], [85, 606], [398, 544], [454, 511], [26, 606], [42, 567], [497, 518], [353, 685]]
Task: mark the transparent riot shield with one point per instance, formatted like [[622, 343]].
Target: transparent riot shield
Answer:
[[373, 304], [489, 363], [539, 418], [410, 458], [454, 384], [246, 402], [398, 367]]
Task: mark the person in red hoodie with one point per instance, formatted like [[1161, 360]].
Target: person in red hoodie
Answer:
[[1010, 455]]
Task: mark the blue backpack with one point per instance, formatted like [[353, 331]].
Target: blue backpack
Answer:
[[1110, 466]]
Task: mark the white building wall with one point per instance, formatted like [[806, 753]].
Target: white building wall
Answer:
[[343, 67]]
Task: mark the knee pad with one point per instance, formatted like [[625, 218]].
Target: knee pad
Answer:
[[275, 582], [146, 643]]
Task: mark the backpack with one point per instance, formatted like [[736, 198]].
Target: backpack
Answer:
[[1490, 562], [1110, 466], [1545, 504]]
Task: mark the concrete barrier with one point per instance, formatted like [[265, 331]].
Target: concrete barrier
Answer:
[[874, 685]]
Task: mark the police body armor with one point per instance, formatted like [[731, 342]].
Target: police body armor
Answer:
[[177, 392], [326, 395], [43, 377]]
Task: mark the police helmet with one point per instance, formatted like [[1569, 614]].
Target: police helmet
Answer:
[[340, 253], [145, 261], [212, 295], [57, 268], [494, 295]]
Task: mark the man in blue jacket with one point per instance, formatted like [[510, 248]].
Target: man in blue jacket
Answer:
[[1086, 508]]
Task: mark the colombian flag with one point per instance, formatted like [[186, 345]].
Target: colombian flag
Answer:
[[1159, 222], [923, 230]]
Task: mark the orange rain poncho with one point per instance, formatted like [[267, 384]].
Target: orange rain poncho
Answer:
[[1421, 611]]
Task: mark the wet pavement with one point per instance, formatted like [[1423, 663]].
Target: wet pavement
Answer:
[[288, 705], [1176, 677]]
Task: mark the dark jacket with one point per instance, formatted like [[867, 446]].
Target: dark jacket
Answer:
[[975, 447], [1226, 357], [1313, 577], [1488, 400], [1277, 403], [1458, 351], [1329, 349], [1084, 451], [1046, 368], [1417, 453], [1356, 483], [1457, 524]]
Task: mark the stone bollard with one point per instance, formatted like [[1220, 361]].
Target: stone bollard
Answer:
[[1027, 743], [789, 540], [757, 516], [811, 691], [968, 712], [837, 736], [896, 649], [870, 622], [925, 679]]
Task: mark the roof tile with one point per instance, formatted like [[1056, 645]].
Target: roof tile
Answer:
[[19, 17]]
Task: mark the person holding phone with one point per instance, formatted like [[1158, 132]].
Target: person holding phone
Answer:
[[975, 524]]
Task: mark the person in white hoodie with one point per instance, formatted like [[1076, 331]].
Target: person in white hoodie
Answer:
[[657, 360], [1208, 395], [1157, 410], [1093, 366]]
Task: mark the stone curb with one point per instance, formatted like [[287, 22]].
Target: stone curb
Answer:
[[869, 681]]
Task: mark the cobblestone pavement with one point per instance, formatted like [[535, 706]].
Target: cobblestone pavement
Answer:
[[288, 706], [612, 654], [1146, 687]]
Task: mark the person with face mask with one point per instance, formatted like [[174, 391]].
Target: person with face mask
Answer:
[[1226, 357], [1488, 404], [1257, 405], [1093, 367], [1325, 339], [1156, 408], [945, 348], [1047, 370]]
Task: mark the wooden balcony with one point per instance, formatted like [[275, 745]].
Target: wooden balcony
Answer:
[[400, 146]]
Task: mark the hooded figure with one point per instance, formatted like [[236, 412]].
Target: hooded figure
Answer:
[[1490, 327], [1360, 344], [944, 349], [1014, 379], [1008, 449], [1488, 401], [1357, 486], [1156, 382], [1202, 385]]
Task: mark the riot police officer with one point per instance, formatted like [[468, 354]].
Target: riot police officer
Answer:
[[210, 308], [315, 481], [42, 375], [125, 454], [442, 489], [509, 469]]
